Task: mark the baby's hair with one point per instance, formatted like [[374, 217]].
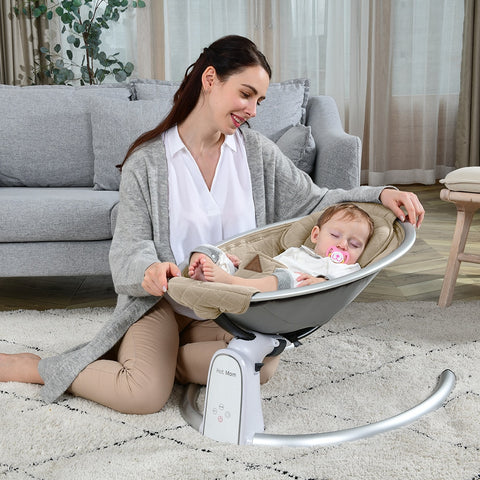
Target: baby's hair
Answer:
[[348, 211]]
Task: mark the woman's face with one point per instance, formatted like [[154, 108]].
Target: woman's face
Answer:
[[235, 100]]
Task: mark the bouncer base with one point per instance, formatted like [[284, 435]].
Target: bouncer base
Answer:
[[436, 399]]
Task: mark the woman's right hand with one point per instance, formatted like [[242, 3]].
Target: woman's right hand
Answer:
[[156, 277]]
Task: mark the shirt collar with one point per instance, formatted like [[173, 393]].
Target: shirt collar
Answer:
[[311, 252], [230, 141], [176, 143]]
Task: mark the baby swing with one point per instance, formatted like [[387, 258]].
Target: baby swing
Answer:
[[267, 323]]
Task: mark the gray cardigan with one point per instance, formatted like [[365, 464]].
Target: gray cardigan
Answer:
[[280, 192]]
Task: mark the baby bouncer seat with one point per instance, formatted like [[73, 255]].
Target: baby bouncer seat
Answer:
[[266, 323]]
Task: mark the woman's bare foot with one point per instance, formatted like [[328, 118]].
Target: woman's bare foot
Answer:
[[20, 367], [213, 273]]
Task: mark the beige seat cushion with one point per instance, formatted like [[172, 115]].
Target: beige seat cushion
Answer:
[[465, 179]]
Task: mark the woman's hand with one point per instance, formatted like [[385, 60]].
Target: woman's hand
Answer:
[[395, 199], [156, 277]]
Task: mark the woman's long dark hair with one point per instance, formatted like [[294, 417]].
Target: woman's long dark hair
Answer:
[[228, 55]]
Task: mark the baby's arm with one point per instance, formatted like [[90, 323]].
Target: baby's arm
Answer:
[[234, 259], [214, 273], [306, 279]]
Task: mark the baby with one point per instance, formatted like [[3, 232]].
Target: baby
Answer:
[[340, 237]]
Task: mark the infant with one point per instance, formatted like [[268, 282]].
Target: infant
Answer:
[[340, 237]]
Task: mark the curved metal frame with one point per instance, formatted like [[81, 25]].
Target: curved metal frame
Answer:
[[444, 386]]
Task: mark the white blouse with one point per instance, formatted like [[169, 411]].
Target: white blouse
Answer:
[[199, 215]]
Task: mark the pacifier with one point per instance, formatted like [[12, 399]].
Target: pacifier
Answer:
[[338, 255]]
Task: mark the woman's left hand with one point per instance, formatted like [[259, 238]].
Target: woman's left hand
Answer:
[[395, 199]]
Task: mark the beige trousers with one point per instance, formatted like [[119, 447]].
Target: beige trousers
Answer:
[[137, 376]]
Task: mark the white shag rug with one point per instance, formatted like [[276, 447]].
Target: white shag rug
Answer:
[[372, 361]]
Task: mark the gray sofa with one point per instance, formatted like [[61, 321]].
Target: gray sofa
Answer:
[[59, 147]]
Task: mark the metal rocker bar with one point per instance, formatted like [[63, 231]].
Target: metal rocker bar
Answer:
[[444, 386]]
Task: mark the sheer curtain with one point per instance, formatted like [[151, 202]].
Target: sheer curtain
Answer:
[[468, 124], [393, 66], [172, 33]]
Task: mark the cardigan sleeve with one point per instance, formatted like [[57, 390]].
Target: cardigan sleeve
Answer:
[[133, 249]]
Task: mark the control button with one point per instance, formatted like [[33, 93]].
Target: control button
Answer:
[[220, 419]]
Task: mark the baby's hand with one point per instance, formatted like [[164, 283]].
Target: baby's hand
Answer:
[[234, 259], [305, 279]]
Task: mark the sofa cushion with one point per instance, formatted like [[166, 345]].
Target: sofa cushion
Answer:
[[46, 134], [55, 214], [285, 104], [115, 125], [298, 145]]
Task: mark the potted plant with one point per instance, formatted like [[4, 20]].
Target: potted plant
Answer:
[[83, 22]]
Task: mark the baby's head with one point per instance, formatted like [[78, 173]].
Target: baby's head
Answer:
[[345, 227]]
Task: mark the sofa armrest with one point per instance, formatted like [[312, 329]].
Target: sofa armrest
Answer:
[[338, 158]]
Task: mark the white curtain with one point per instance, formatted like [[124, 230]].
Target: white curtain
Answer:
[[393, 66], [172, 33], [121, 37]]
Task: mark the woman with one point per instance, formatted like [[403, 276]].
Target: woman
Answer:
[[196, 178]]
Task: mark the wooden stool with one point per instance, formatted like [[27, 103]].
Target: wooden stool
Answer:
[[467, 204]]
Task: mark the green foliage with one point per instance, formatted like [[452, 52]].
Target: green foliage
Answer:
[[84, 21]]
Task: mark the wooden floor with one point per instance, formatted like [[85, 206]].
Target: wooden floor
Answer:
[[416, 276]]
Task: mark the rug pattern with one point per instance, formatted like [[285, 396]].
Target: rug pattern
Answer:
[[372, 361]]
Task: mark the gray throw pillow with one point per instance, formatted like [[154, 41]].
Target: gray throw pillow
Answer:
[[154, 89], [46, 135], [298, 145], [285, 106], [115, 126]]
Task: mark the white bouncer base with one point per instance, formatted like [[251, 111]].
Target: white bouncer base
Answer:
[[233, 412]]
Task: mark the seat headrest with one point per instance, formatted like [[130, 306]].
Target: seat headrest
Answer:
[[387, 235]]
